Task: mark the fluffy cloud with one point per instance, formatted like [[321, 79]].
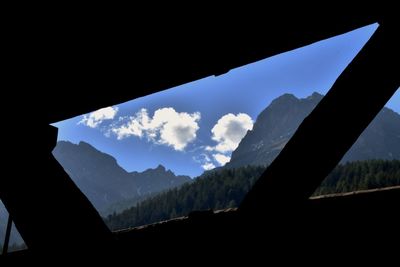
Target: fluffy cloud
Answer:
[[229, 130], [221, 159], [208, 166], [95, 118], [168, 127]]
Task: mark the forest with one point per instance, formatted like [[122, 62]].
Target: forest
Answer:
[[226, 188]]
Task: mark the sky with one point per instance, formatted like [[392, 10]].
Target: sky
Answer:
[[196, 126]]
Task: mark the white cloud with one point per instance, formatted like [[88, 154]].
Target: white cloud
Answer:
[[208, 166], [221, 159], [229, 131], [168, 127], [95, 118], [134, 126]]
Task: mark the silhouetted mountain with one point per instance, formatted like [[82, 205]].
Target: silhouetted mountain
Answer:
[[277, 123], [104, 182]]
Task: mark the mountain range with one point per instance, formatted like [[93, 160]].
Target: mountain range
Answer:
[[372, 162], [111, 188], [276, 124], [104, 182]]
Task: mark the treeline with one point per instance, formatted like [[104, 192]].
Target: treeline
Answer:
[[214, 190], [226, 188], [361, 175]]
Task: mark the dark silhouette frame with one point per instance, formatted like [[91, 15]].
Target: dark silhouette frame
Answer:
[[50, 209]]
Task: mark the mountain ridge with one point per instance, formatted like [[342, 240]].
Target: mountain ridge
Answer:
[[277, 123], [104, 182]]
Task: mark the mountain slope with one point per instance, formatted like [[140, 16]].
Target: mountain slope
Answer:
[[278, 122], [104, 182], [381, 139]]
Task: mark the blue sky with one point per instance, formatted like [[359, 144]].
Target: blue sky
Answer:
[[195, 126]]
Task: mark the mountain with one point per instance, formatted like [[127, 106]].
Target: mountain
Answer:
[[277, 123], [104, 182], [381, 139], [160, 177]]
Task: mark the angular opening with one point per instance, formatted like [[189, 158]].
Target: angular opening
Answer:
[[15, 240], [374, 159], [200, 145]]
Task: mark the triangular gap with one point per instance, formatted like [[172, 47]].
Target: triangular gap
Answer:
[[16, 241], [373, 161]]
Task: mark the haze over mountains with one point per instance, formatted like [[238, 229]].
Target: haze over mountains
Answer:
[[104, 182], [278, 122]]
